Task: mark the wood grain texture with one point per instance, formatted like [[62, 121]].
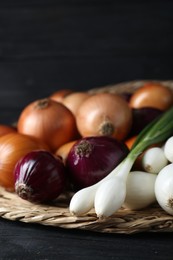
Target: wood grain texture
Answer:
[[23, 241], [48, 45]]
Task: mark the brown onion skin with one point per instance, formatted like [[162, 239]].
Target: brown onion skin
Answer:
[[13, 146], [59, 95], [64, 150], [48, 120], [6, 129], [74, 100], [152, 95], [39, 177], [92, 158], [104, 114]]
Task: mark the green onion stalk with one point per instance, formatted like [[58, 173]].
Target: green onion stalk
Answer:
[[108, 195]]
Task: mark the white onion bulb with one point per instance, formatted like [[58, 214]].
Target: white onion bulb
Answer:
[[140, 190], [154, 160], [109, 197], [82, 201], [168, 149], [164, 188]]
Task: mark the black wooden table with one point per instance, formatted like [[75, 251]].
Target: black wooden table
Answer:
[[46, 45], [26, 241]]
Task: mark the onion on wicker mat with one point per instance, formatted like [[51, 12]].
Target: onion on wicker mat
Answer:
[[152, 219]]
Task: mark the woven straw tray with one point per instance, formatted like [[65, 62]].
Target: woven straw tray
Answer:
[[152, 219]]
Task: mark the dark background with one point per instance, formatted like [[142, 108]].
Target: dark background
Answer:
[[53, 44], [46, 45]]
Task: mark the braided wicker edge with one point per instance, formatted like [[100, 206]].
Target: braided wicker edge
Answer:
[[152, 219], [129, 87]]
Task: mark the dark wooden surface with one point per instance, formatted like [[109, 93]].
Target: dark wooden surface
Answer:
[[26, 241], [48, 45]]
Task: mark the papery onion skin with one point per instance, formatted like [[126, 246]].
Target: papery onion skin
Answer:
[[64, 150], [92, 158], [152, 95], [12, 147], [49, 121], [59, 95], [104, 114], [39, 177], [74, 100], [6, 129]]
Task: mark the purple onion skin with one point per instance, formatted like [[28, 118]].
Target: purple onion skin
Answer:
[[126, 96], [92, 158], [142, 117], [39, 177]]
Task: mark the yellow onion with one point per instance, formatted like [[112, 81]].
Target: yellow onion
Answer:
[[104, 114], [48, 120]]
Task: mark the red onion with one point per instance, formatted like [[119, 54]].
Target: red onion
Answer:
[[92, 158], [142, 117], [39, 177]]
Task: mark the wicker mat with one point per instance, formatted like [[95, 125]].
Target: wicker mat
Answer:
[[152, 219]]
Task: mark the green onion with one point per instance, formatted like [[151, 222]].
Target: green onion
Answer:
[[157, 131], [108, 195]]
